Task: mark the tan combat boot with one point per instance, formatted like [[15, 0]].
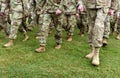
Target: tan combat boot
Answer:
[[82, 35], [58, 46], [10, 43], [30, 28], [96, 60], [118, 37], [40, 49], [91, 54], [37, 37], [69, 38], [26, 37], [105, 42]]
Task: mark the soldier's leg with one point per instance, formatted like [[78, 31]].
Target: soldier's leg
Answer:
[[84, 23], [51, 27], [106, 30], [16, 20], [24, 28], [78, 22], [71, 25], [58, 30], [91, 17], [3, 25], [98, 32], [33, 14], [43, 32], [112, 25]]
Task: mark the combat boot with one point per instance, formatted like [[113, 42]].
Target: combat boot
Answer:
[[82, 35], [40, 49], [105, 42], [30, 28], [58, 46], [37, 37], [10, 43], [26, 37], [95, 60], [91, 54], [118, 37], [69, 38]]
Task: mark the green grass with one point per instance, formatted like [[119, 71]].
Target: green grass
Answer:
[[20, 60]]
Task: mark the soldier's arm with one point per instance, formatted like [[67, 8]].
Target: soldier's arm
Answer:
[[80, 5], [114, 4]]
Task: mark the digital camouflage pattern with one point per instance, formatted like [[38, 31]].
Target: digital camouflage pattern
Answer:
[[16, 17], [45, 18], [98, 11]]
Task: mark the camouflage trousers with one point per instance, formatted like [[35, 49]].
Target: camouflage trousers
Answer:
[[107, 27], [68, 22], [16, 20], [59, 23], [44, 25], [3, 25], [96, 26], [110, 25], [82, 23]]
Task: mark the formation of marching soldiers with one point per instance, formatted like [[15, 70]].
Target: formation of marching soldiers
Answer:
[[97, 17]]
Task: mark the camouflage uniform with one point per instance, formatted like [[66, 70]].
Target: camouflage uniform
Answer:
[[110, 24], [16, 17], [98, 10], [82, 20], [97, 14], [5, 15], [31, 11], [68, 19], [45, 17]]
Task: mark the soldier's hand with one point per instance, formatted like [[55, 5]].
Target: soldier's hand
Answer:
[[58, 11], [81, 8], [117, 15], [111, 12], [77, 15], [42, 11], [2, 14]]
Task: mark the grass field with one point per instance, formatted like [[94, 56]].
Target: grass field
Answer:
[[20, 60]]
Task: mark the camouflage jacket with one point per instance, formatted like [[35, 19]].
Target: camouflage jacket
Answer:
[[47, 5], [16, 5], [82, 2], [5, 6], [118, 8], [68, 5], [101, 3]]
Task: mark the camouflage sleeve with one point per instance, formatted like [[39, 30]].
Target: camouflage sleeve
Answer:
[[80, 2], [118, 8], [114, 4], [61, 6], [4, 5]]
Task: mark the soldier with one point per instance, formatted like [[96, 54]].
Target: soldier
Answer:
[[16, 20], [46, 10], [82, 20], [98, 10], [67, 20]]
